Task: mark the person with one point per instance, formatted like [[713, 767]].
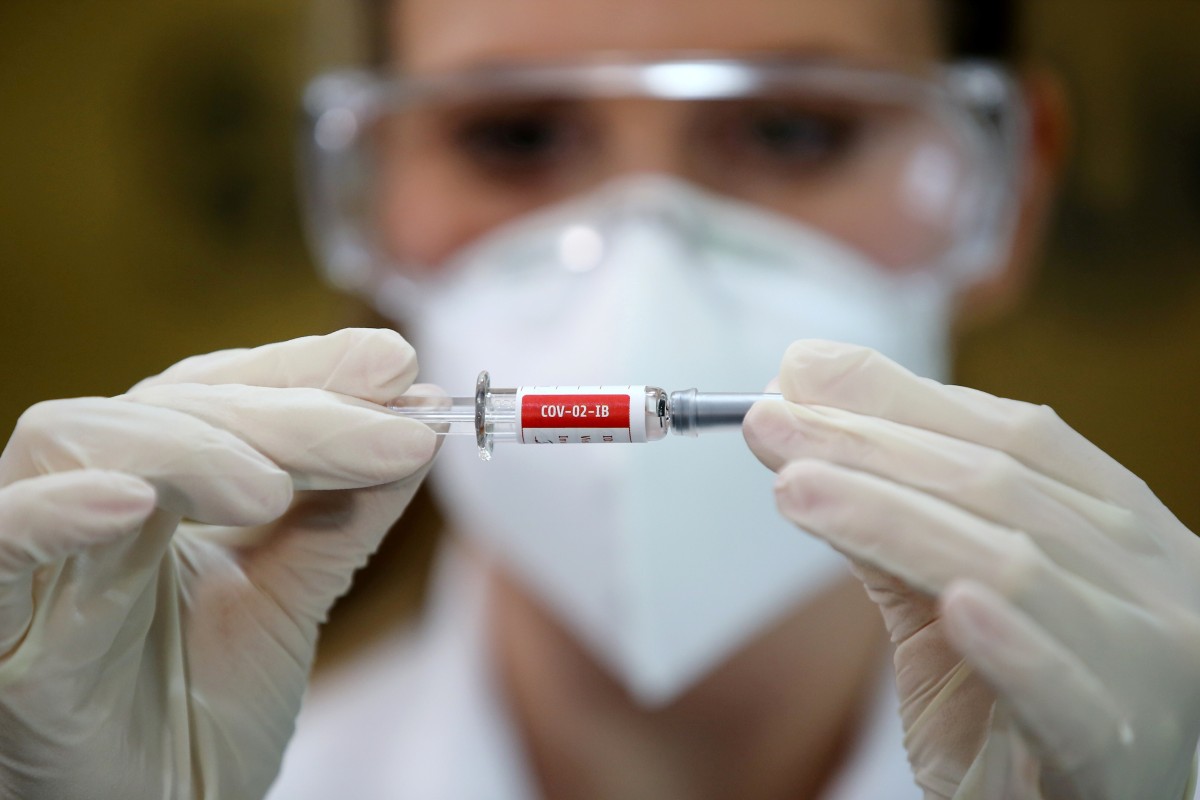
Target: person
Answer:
[[578, 193]]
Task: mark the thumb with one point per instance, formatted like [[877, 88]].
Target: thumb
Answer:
[[47, 518]]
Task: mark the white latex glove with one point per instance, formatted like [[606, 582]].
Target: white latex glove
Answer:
[[144, 658], [1045, 606]]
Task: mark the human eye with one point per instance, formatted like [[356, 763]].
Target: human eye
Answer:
[[784, 135], [523, 142]]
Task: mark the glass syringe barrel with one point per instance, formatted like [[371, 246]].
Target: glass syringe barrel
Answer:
[[577, 414]]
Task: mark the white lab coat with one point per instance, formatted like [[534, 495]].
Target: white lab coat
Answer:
[[420, 718]]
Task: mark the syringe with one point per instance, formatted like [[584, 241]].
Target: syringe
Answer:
[[576, 414]]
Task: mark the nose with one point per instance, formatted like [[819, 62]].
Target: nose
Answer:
[[644, 136]]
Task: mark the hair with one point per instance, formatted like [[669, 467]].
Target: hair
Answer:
[[983, 29], [377, 18], [972, 29]]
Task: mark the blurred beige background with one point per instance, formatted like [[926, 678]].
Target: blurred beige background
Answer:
[[147, 212]]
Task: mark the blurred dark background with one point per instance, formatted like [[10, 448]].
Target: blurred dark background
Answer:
[[147, 212]]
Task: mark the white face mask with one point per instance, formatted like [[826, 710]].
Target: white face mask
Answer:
[[663, 558]]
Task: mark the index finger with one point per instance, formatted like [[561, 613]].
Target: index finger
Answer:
[[373, 364], [860, 380]]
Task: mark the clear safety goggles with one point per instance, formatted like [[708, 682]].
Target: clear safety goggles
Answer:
[[914, 172]]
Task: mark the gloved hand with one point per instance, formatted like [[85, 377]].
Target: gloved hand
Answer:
[[145, 658], [1045, 606]]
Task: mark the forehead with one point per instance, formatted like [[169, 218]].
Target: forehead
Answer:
[[439, 35]]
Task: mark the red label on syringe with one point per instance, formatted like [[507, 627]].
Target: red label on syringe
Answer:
[[581, 414]]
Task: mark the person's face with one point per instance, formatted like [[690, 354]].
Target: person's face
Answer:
[[423, 209]]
